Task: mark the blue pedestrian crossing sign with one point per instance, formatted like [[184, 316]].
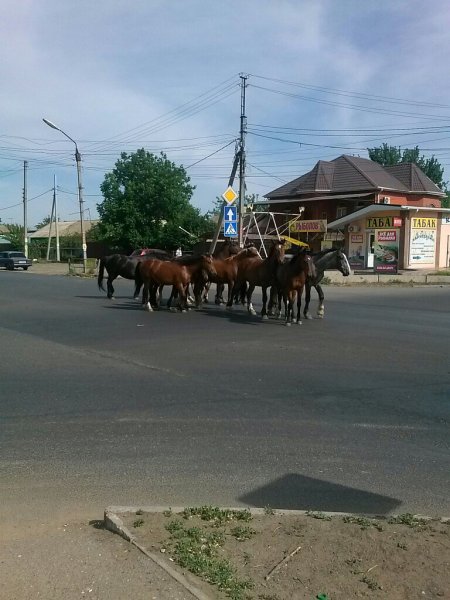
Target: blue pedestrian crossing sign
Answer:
[[230, 221]]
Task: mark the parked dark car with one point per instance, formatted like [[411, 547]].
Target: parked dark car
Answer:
[[13, 260]]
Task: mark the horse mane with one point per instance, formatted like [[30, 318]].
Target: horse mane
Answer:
[[323, 252], [190, 259]]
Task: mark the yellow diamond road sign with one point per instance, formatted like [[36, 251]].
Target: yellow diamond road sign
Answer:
[[229, 195]]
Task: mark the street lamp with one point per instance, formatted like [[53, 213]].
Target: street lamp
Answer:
[[80, 189]]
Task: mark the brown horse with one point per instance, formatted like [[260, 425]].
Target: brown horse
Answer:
[[291, 279], [155, 273], [227, 270], [225, 250], [262, 272]]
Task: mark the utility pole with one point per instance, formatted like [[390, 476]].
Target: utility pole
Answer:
[[243, 131], [55, 216], [239, 159], [25, 199], [55, 202]]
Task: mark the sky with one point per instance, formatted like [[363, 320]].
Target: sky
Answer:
[[324, 78]]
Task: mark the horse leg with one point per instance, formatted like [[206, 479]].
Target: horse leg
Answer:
[[290, 307], [250, 308], [219, 293], [321, 307], [264, 307], [299, 306], [173, 294], [271, 304], [182, 297], [204, 297], [137, 289], [146, 304], [307, 301], [229, 304], [110, 288]]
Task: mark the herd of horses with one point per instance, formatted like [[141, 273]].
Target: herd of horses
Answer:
[[282, 279]]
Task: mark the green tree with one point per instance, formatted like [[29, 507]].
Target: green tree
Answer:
[[391, 155], [146, 201], [15, 235]]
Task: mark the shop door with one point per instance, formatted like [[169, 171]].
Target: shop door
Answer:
[[370, 249]]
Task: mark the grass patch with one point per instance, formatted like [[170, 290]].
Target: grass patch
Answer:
[[217, 516], [410, 520], [318, 515], [363, 522], [138, 523], [197, 548]]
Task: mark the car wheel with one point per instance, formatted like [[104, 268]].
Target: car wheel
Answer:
[[10, 267], [25, 268]]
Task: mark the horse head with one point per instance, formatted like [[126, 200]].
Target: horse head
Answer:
[[207, 264], [310, 267], [343, 264], [277, 250]]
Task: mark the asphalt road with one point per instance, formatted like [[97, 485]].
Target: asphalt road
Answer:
[[103, 403]]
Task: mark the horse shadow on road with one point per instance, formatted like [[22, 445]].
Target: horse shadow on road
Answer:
[[298, 492]]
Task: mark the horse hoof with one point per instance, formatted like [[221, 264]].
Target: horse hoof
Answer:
[[299, 323], [265, 318], [148, 307], [308, 317], [252, 312], [288, 324]]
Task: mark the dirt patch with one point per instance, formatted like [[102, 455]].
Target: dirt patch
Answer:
[[301, 556]]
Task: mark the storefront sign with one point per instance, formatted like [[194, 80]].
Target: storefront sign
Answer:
[[317, 226], [423, 223], [356, 238], [422, 249], [333, 236], [381, 222], [386, 250], [355, 251]]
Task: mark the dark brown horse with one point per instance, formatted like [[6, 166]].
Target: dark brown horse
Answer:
[[291, 279], [259, 271], [124, 266], [155, 273]]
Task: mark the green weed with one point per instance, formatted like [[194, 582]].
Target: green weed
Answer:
[[242, 533], [318, 515], [138, 523]]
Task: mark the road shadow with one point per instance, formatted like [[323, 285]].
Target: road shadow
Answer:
[[298, 492]]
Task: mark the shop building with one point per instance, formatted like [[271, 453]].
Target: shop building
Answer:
[[385, 217]]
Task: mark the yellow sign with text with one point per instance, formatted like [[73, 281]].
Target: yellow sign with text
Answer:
[[423, 223], [313, 226]]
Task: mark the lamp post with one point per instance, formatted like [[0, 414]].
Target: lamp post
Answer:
[[80, 189]]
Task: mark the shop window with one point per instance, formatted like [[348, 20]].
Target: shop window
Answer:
[[341, 211]]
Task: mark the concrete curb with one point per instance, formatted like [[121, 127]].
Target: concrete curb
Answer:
[[114, 523]]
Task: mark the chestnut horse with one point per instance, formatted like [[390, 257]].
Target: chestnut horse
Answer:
[[227, 270], [259, 271], [155, 273], [291, 280]]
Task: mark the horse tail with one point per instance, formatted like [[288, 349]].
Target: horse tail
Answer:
[[101, 270]]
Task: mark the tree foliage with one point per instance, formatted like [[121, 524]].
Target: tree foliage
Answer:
[[15, 235], [391, 155], [146, 201]]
